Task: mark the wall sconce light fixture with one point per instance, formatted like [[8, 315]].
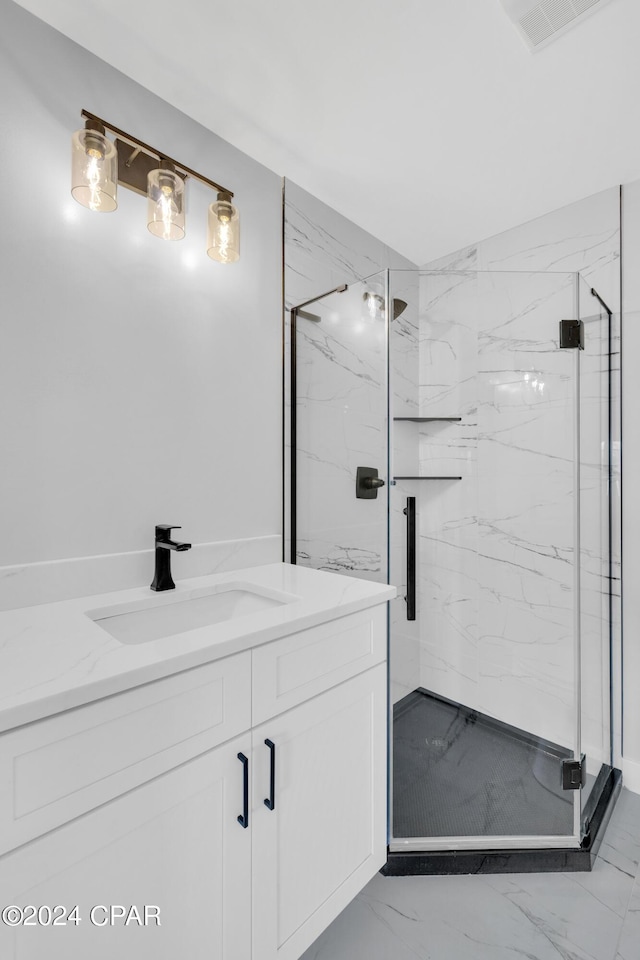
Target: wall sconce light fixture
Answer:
[[98, 165], [165, 191], [223, 234], [94, 168]]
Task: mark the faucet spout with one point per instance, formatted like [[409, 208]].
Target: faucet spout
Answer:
[[173, 545], [162, 579]]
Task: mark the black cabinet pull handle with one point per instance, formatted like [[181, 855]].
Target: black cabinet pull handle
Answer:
[[243, 818], [410, 513], [270, 801]]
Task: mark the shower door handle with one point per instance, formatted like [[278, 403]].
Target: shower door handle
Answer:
[[410, 513]]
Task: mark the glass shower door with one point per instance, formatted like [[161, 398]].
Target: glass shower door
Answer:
[[596, 474], [482, 741], [339, 477]]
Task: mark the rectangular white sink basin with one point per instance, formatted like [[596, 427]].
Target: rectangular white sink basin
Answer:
[[146, 620]]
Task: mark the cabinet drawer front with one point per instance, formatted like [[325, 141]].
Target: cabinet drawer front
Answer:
[[55, 770], [291, 670]]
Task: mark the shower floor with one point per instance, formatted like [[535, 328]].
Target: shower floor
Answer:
[[457, 772]]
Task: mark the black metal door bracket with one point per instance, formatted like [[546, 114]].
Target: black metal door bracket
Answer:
[[574, 774], [572, 334]]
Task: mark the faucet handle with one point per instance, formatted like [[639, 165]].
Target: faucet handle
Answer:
[[163, 531]]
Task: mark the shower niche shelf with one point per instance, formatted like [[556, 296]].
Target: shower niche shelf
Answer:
[[427, 478], [429, 419]]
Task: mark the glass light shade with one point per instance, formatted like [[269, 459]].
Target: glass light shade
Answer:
[[223, 233], [94, 171], [165, 208]]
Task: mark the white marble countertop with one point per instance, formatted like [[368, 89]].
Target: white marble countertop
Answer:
[[54, 656]]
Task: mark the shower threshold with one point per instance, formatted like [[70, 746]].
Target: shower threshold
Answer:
[[460, 773]]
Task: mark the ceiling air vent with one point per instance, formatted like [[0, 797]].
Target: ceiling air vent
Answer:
[[541, 21]]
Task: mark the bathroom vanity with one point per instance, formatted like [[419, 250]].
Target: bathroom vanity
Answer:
[[227, 781]]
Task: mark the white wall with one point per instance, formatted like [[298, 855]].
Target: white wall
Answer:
[[140, 381]]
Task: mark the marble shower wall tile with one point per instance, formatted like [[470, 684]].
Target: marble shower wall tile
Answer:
[[403, 343], [448, 343], [403, 364], [341, 384], [582, 237], [342, 424], [449, 449], [498, 633], [404, 659], [448, 596], [478, 340], [525, 486]]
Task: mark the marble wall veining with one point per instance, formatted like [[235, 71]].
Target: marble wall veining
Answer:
[[495, 621], [341, 424], [404, 372], [342, 402], [497, 547]]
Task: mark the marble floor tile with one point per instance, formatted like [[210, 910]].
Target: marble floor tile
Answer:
[[621, 843], [458, 917], [473, 918], [552, 916], [359, 934], [629, 943], [611, 886], [572, 913]]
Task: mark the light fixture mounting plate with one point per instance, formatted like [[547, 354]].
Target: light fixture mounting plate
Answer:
[[134, 166]]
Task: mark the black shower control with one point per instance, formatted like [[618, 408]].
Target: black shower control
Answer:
[[367, 483]]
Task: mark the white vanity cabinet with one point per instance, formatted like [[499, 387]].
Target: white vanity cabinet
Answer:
[[171, 843], [325, 693], [130, 801], [326, 836], [134, 800]]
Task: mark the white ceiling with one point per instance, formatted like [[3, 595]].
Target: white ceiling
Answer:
[[427, 122]]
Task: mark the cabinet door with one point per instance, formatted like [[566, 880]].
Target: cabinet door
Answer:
[[326, 836], [173, 843]]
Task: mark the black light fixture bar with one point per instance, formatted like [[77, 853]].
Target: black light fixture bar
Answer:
[[155, 153]]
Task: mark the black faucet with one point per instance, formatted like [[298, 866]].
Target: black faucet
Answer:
[[164, 544]]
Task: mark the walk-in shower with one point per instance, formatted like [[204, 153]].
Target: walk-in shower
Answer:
[[485, 408]]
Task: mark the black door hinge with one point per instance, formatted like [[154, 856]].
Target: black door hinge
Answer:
[[572, 334], [574, 774]]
